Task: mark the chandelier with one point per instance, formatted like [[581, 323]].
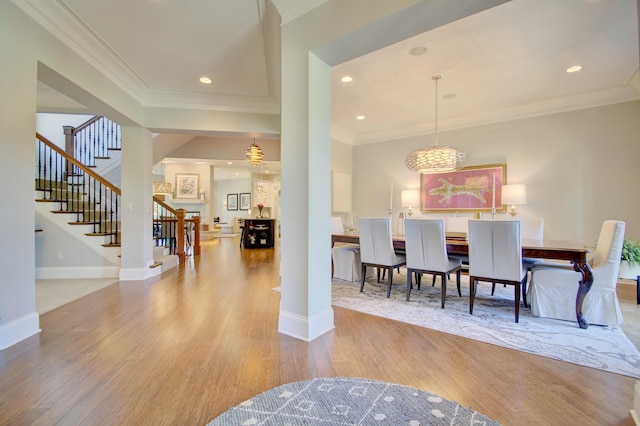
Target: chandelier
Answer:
[[436, 159], [253, 154]]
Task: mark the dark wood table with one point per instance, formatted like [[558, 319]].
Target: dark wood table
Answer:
[[571, 251]]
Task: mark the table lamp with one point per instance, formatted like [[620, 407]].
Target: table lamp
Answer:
[[514, 194], [410, 198]]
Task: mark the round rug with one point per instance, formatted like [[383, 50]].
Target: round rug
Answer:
[[349, 401]]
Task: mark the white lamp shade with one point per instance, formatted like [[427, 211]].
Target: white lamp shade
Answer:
[[514, 194], [410, 198]]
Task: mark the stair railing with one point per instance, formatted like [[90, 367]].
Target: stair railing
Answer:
[[92, 140], [88, 196], [169, 226]]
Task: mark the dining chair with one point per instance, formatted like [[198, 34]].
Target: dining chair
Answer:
[[376, 248], [553, 286], [426, 252], [346, 257], [495, 256]]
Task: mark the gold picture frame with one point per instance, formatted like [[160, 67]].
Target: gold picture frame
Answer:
[[470, 189]]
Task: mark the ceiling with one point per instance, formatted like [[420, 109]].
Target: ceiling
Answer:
[[505, 63]]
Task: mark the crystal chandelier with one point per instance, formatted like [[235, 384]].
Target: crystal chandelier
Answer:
[[436, 159], [253, 154]]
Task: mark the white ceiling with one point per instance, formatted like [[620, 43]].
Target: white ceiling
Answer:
[[504, 63]]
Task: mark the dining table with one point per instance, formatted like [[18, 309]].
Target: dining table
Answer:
[[571, 251]]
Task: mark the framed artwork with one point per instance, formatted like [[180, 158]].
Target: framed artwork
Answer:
[[232, 201], [245, 201], [187, 186], [471, 189]]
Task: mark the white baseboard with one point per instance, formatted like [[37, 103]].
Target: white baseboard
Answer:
[[77, 272], [19, 329], [138, 274], [306, 328]]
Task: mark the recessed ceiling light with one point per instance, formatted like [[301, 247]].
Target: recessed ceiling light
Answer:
[[237, 174], [574, 68], [229, 162], [267, 171], [346, 79], [205, 80], [418, 50], [360, 117]]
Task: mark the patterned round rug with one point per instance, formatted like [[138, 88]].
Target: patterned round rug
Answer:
[[349, 401]]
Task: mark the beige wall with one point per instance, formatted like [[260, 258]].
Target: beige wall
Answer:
[[580, 168]]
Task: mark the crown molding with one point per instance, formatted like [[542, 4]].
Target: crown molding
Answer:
[[290, 10]]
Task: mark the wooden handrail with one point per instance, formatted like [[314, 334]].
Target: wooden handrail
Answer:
[[78, 164], [87, 124]]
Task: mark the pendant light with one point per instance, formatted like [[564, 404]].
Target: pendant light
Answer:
[[435, 159], [253, 154]]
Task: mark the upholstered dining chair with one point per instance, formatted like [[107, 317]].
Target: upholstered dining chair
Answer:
[[426, 251], [495, 256], [553, 288], [346, 257], [376, 248]]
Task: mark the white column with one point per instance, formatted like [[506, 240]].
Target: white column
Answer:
[[18, 82], [137, 205]]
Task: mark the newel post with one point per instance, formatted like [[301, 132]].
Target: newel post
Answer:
[[180, 213], [196, 236]]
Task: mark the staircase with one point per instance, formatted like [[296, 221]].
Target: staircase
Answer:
[[76, 199]]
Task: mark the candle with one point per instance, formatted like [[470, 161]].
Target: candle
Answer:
[[391, 198], [493, 193]]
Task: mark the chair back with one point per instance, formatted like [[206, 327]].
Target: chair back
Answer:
[[495, 249], [457, 224], [606, 258], [336, 225], [532, 228], [425, 244], [376, 242]]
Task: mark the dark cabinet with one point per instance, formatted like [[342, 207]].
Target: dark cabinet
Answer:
[[258, 233]]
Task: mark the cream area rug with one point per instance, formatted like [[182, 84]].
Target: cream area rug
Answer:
[[349, 401], [604, 348]]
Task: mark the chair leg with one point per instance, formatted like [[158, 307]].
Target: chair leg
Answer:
[[472, 293], [517, 298], [409, 285], [493, 288], [364, 273], [433, 281], [443, 289], [418, 279], [524, 290], [390, 280], [458, 282]]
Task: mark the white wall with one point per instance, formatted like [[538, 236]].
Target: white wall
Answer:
[[580, 168], [231, 186], [50, 125]]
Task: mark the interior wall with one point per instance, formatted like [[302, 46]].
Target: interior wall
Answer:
[[579, 167]]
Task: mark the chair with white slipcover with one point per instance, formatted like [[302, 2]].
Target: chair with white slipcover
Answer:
[[554, 287], [346, 257], [426, 251], [376, 248], [495, 256]]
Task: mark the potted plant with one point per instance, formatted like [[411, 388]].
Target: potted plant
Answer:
[[630, 260]]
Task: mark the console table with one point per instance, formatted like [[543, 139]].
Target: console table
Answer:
[[258, 233]]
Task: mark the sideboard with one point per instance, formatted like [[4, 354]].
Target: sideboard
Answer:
[[259, 233]]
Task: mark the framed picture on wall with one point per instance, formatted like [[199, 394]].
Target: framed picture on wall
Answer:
[[245, 201], [470, 189], [187, 185], [232, 201]]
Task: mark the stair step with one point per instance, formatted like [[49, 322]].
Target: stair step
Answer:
[[111, 245], [100, 234], [101, 158], [155, 265]]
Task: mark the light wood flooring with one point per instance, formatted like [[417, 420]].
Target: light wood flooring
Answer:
[[184, 347]]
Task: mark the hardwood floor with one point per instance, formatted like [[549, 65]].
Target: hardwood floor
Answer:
[[184, 347]]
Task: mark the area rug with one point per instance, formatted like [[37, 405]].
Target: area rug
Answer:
[[225, 235], [604, 348], [349, 401]]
